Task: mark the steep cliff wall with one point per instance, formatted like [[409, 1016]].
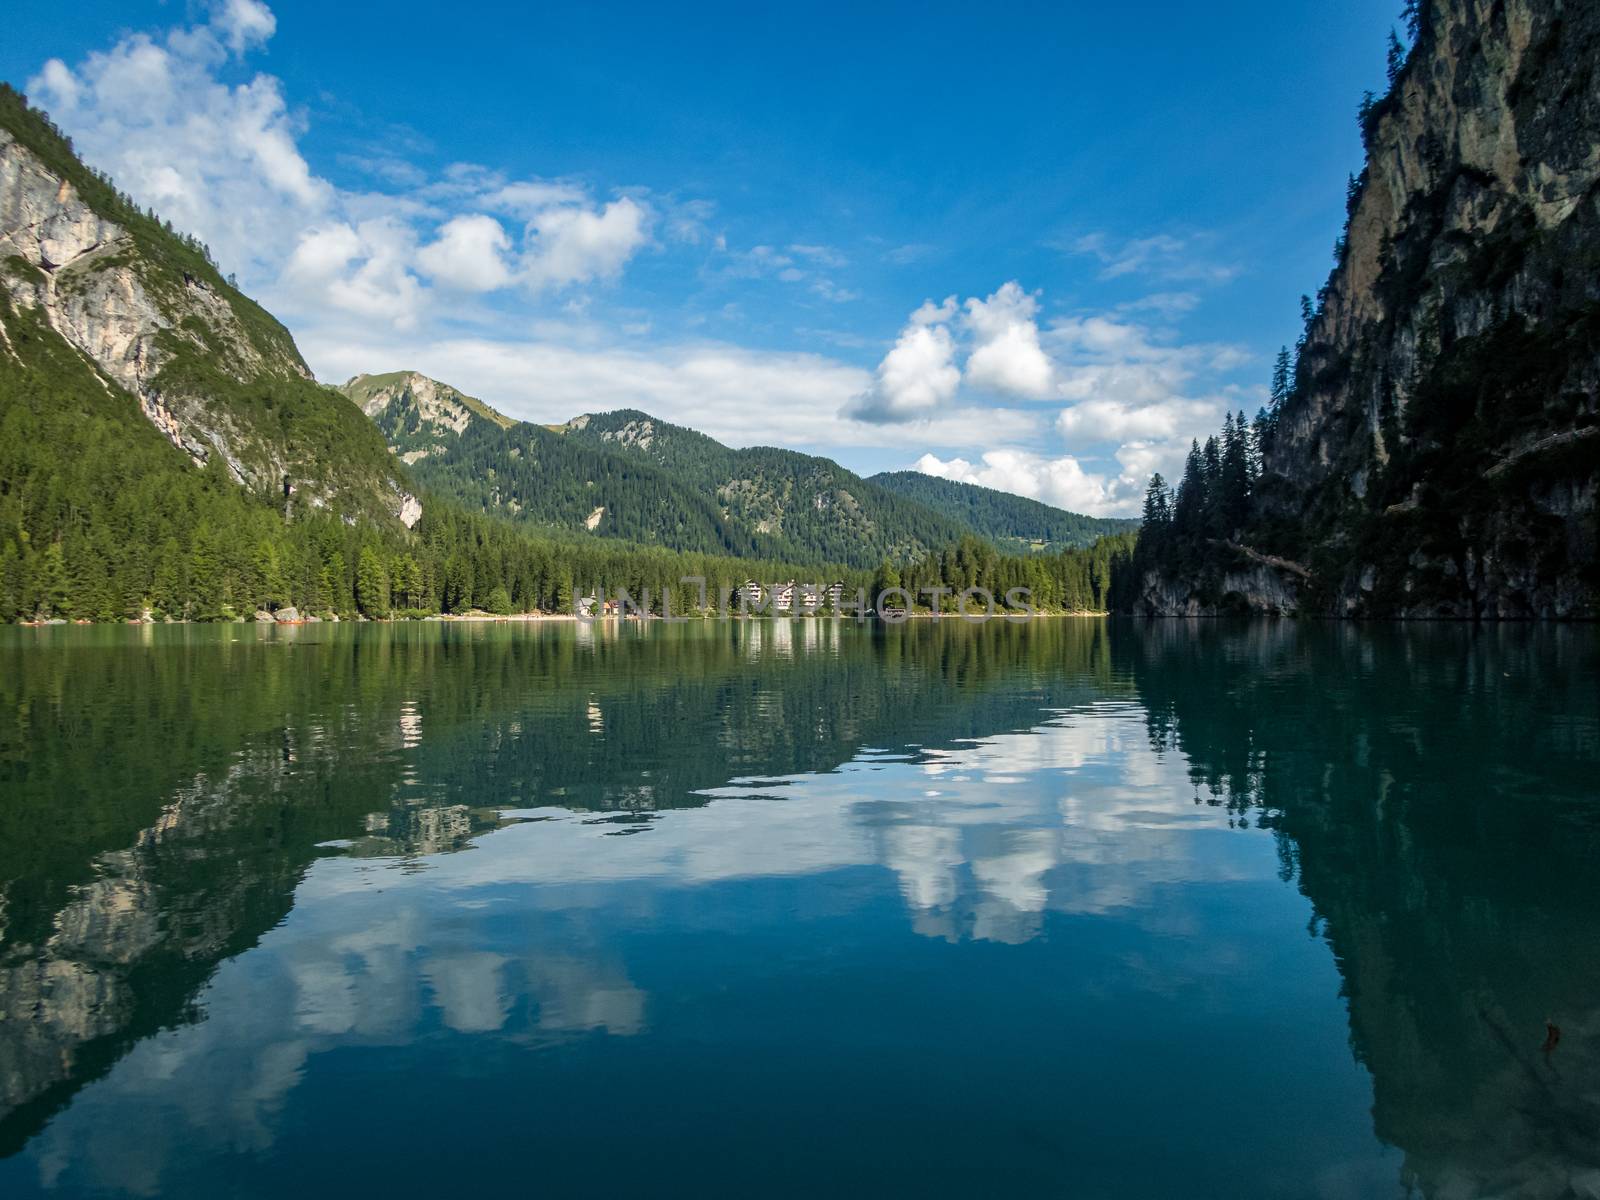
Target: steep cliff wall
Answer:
[[1439, 452], [151, 316]]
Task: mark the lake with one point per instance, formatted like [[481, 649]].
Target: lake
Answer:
[[1071, 907]]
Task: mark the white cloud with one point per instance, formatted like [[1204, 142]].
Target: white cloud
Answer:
[[1060, 481], [1163, 256], [216, 160], [469, 254], [1128, 384], [360, 269], [570, 244], [1111, 420], [528, 198], [244, 23], [1007, 356], [919, 375], [222, 162]]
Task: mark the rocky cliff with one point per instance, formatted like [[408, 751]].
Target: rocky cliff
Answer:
[[1438, 453], [417, 415], [150, 315]]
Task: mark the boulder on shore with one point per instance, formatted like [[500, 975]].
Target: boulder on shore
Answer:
[[287, 616], [263, 617]]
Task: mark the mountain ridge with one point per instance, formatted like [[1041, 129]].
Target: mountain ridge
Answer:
[[1013, 521], [625, 473]]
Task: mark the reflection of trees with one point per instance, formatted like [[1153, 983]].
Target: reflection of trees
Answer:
[[163, 800], [1433, 791]]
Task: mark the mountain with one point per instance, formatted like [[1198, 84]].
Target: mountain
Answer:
[[810, 505], [1434, 446], [93, 287], [165, 453], [628, 475], [1011, 522]]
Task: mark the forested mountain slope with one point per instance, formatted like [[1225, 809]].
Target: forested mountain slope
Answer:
[[147, 315], [781, 496], [628, 475], [1011, 522], [1433, 446], [165, 453]]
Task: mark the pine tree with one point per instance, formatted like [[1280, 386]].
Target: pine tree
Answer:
[[1157, 513], [206, 585], [1189, 511], [1234, 483], [1412, 15], [54, 593], [500, 601], [1280, 379], [887, 576], [11, 583], [372, 583], [1396, 58]]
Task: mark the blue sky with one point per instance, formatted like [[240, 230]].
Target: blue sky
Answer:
[[1037, 247]]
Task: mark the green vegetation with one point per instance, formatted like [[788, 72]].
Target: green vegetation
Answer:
[[1010, 522], [629, 476], [102, 518]]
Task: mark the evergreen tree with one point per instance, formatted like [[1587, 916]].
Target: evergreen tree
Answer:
[[887, 576], [1280, 379], [1412, 15], [1396, 58], [11, 582], [54, 593], [372, 583], [1189, 510], [1157, 506], [1235, 475]]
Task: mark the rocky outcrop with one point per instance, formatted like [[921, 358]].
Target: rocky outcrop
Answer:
[[418, 415], [1259, 588], [82, 272], [1437, 456], [148, 313]]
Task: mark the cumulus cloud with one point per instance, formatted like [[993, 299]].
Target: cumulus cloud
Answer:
[[1061, 481], [219, 161], [1132, 395], [919, 375], [469, 254], [361, 269], [1125, 382], [223, 162], [571, 244], [244, 23], [1007, 356]]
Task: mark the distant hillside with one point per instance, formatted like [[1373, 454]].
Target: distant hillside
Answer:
[[628, 475], [1011, 522], [810, 505]]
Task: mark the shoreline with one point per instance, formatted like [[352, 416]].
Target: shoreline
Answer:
[[475, 618]]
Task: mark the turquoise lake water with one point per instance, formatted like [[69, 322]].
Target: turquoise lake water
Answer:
[[1073, 907]]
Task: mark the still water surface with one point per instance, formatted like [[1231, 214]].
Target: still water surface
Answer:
[[1073, 907]]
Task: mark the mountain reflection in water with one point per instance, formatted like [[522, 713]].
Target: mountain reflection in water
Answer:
[[769, 905]]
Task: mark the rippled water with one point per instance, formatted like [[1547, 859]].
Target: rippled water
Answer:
[[1072, 907]]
